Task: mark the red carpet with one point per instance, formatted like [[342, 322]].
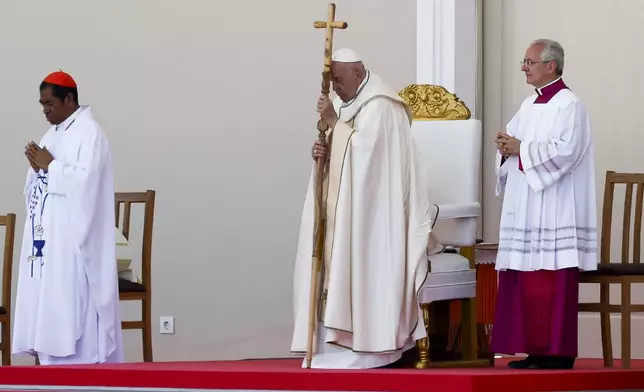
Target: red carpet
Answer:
[[286, 374]]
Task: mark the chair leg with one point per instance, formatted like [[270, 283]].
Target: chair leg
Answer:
[[607, 343], [423, 344], [626, 325], [146, 331], [6, 344], [469, 330]]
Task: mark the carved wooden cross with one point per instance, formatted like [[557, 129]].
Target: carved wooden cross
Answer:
[[329, 25]]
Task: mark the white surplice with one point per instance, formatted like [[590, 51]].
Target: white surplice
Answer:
[[549, 217], [377, 230], [67, 305]]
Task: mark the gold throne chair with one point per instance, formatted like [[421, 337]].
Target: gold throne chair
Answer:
[[450, 144]]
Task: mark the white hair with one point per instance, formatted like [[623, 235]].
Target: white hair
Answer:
[[552, 51]]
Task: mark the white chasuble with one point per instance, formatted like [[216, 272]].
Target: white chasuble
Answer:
[[377, 229], [548, 218], [67, 305]]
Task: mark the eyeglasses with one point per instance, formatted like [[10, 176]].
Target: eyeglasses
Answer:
[[530, 63]]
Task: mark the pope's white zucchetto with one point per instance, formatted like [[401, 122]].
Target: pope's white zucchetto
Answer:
[[345, 56]]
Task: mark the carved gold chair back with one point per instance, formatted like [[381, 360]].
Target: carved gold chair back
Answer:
[[430, 103]]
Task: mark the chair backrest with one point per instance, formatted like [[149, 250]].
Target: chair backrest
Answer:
[[633, 183], [9, 223], [147, 199], [450, 143]]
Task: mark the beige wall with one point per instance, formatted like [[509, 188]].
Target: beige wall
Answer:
[[211, 103], [602, 40]]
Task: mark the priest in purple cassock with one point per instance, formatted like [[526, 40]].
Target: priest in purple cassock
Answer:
[[548, 228]]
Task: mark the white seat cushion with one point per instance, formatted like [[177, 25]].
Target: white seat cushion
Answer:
[[450, 278], [447, 262], [456, 224]]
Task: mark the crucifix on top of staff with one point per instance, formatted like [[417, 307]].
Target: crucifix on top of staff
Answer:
[[320, 215]]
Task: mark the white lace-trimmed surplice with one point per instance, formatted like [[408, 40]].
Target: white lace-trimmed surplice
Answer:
[[549, 217], [67, 305]]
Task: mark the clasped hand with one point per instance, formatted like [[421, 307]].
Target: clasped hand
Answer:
[[507, 144], [326, 110], [39, 158]]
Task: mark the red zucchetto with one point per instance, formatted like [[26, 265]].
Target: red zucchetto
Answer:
[[60, 78]]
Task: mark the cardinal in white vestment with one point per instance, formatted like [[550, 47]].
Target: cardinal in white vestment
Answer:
[[377, 227], [67, 305], [548, 229]]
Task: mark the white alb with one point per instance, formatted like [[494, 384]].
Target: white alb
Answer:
[[67, 305]]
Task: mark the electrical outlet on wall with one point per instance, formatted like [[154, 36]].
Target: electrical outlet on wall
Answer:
[[167, 325]]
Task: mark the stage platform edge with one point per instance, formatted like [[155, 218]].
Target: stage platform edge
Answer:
[[287, 375]]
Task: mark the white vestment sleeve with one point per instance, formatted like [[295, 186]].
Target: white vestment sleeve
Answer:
[[67, 177], [81, 183], [545, 162]]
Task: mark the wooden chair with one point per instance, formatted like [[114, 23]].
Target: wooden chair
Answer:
[[625, 271], [9, 223], [131, 291]]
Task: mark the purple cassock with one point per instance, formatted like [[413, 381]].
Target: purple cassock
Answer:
[[536, 313]]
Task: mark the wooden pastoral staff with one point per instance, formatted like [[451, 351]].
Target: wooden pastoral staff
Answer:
[[320, 214]]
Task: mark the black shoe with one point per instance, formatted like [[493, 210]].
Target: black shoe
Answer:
[[531, 362], [406, 361], [394, 365], [557, 363]]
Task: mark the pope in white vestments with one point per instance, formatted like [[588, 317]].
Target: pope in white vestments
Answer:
[[67, 305], [377, 227], [548, 229]]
